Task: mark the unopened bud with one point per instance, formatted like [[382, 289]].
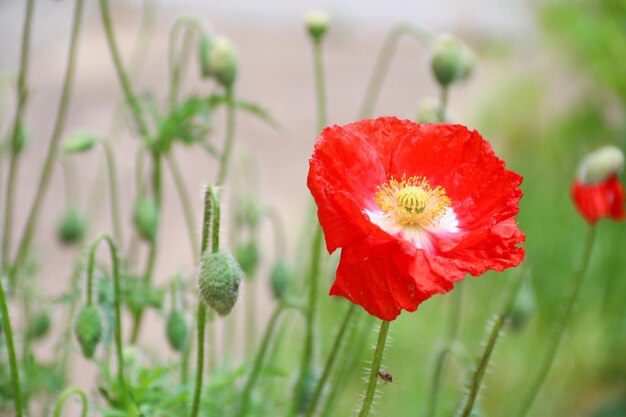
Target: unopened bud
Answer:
[[88, 329], [316, 22], [38, 326], [72, 225], [146, 217], [218, 281], [248, 256], [177, 330], [218, 60], [280, 279], [249, 212], [601, 164], [79, 142], [451, 60], [523, 307]]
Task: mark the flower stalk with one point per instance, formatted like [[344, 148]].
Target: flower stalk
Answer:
[[8, 337], [65, 395], [373, 378], [230, 136]]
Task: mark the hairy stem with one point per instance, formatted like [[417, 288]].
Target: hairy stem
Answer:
[[373, 378]]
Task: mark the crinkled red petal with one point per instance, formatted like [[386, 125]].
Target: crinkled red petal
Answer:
[[596, 201]]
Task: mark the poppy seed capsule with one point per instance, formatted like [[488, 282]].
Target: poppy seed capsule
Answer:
[[280, 279], [219, 60], [451, 60], [146, 217], [248, 256], [177, 330], [88, 329], [71, 228], [218, 281], [316, 22], [601, 164]]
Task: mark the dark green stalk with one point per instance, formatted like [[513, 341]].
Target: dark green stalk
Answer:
[[330, 362], [230, 136], [496, 329], [31, 222], [443, 102], [383, 61], [373, 379], [209, 223], [560, 325], [259, 360], [22, 96], [65, 395], [115, 200], [8, 337]]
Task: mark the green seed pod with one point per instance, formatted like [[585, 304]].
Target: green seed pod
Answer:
[[177, 330], [219, 60], [219, 277], [316, 22], [451, 60], [79, 142], [248, 257], [146, 217], [308, 389], [72, 226], [38, 326], [601, 164], [280, 279], [88, 329]]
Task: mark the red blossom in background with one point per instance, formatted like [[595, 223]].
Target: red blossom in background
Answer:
[[414, 208]]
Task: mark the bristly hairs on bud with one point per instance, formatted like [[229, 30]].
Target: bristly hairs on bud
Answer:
[[219, 278], [88, 330]]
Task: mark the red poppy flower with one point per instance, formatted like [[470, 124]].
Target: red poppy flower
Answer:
[[603, 199], [414, 208]]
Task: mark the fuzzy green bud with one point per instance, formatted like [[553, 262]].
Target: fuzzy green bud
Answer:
[[601, 164], [218, 60], [316, 22], [177, 330], [219, 277], [248, 257], [39, 326], [88, 329], [71, 227], [280, 279], [146, 217], [451, 60], [79, 142]]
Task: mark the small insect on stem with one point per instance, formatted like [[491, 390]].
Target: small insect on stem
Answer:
[[385, 376]]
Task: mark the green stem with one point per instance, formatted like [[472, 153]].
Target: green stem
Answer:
[[258, 361], [383, 62], [31, 222], [560, 325], [210, 221], [178, 62], [115, 199], [496, 329], [8, 337], [116, 286], [320, 85], [373, 379], [22, 96], [443, 102], [230, 135], [330, 362], [65, 395], [185, 202]]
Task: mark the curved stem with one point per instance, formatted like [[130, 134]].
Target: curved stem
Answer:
[[116, 286], [22, 96], [373, 379], [496, 329], [8, 337], [230, 135], [177, 63], [560, 325], [65, 395], [115, 199], [383, 62], [210, 220], [185, 201], [259, 360], [31, 222], [331, 360]]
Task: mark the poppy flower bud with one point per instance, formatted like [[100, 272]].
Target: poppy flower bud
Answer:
[[218, 60], [146, 217], [599, 165], [218, 281], [316, 22], [280, 279], [79, 142], [72, 226], [451, 60], [249, 212], [177, 330], [38, 326], [523, 308], [88, 329], [248, 256]]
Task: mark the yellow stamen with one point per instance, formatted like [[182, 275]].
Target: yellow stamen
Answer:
[[412, 202]]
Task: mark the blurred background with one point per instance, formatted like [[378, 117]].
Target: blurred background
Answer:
[[549, 85]]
